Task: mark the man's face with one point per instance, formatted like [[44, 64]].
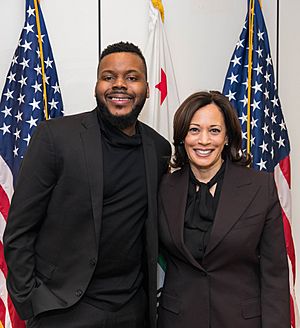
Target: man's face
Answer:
[[121, 89]]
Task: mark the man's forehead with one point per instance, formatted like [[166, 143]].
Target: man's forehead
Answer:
[[121, 59]]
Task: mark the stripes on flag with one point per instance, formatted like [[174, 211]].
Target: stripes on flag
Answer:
[[31, 94], [250, 86]]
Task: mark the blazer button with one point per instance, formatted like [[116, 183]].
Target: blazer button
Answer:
[[93, 262], [78, 292]]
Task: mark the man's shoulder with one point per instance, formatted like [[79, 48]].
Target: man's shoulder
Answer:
[[153, 134], [69, 119], [70, 122]]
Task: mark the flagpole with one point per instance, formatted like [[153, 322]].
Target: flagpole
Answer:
[[40, 43], [277, 45], [99, 28], [250, 22]]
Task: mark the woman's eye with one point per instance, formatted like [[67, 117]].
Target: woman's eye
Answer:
[[215, 131], [193, 130]]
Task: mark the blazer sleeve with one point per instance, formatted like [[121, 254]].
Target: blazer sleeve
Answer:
[[35, 183], [274, 268]]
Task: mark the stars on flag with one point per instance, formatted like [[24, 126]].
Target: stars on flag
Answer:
[[269, 142], [268, 137], [22, 103]]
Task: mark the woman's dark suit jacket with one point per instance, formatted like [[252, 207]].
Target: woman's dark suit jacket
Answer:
[[243, 279]]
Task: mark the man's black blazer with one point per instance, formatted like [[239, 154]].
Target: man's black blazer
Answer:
[[52, 233]]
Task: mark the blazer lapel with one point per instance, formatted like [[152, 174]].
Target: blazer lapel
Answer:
[[174, 200], [236, 195], [91, 140], [150, 158]]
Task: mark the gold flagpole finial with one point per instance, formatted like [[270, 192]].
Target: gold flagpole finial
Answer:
[[158, 5]]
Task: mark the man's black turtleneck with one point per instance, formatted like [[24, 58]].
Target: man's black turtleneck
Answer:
[[119, 275]]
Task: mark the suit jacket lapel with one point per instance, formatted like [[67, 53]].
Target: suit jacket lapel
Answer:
[[91, 140], [150, 158], [236, 195], [174, 200]]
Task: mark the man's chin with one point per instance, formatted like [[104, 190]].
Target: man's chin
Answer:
[[120, 112], [123, 118], [119, 120]]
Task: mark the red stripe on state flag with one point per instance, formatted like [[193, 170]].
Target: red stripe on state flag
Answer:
[[162, 86]]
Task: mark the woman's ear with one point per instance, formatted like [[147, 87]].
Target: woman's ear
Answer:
[[226, 141]]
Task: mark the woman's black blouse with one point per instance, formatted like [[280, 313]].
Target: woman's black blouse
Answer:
[[200, 212]]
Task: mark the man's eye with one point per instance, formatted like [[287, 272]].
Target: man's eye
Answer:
[[132, 78], [107, 78]]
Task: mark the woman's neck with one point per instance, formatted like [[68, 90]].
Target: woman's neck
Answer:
[[206, 174]]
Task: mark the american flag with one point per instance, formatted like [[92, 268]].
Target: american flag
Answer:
[[31, 94], [267, 137]]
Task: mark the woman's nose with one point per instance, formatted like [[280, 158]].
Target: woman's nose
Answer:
[[203, 138]]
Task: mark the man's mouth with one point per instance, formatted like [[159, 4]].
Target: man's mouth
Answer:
[[119, 99]]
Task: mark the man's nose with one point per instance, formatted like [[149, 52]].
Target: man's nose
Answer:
[[120, 82]]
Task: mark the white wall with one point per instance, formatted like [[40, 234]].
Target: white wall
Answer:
[[201, 33], [73, 33]]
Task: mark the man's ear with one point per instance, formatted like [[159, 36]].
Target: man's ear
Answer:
[[95, 93], [148, 90]]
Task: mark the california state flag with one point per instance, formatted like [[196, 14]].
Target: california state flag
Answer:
[[163, 102]]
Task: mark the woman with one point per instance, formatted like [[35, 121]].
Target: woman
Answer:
[[220, 227]]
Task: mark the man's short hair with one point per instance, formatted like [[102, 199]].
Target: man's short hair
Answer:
[[123, 47]]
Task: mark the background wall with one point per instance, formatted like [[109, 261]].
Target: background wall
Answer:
[[202, 35], [73, 34]]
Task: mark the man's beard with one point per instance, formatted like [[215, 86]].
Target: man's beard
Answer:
[[121, 122]]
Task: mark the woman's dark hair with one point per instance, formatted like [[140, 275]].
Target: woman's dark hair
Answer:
[[184, 115]]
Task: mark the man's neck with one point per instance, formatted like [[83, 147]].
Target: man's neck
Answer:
[[130, 131]]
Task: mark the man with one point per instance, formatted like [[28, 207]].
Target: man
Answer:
[[81, 237]]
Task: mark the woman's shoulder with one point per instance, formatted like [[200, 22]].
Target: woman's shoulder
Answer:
[[250, 172], [174, 176]]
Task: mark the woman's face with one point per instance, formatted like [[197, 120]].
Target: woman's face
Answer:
[[205, 140]]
